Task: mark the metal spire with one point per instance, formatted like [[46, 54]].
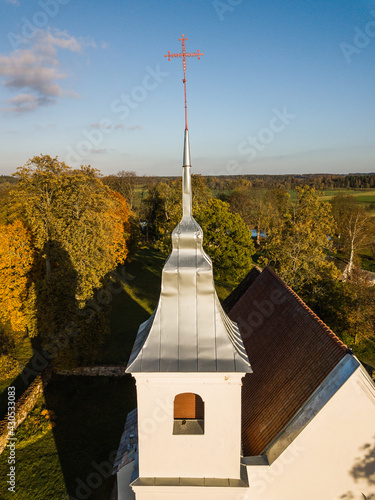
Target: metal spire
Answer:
[[186, 175]]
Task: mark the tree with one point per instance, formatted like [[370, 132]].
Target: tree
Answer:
[[75, 209], [164, 208], [355, 227], [125, 183], [297, 247], [260, 212], [259, 208], [16, 261], [79, 230], [240, 203], [348, 307], [227, 240]]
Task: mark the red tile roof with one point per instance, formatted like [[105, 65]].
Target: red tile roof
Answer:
[[290, 349]]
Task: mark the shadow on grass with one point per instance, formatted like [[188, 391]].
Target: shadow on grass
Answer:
[[91, 411], [126, 317], [91, 414]]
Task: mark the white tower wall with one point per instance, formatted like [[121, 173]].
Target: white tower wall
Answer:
[[214, 454]]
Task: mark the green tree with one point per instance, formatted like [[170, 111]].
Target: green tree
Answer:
[[227, 240]]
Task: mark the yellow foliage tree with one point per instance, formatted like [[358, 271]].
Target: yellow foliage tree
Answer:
[[297, 246], [80, 229], [16, 261]]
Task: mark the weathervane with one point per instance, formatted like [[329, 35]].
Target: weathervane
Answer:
[[184, 55]]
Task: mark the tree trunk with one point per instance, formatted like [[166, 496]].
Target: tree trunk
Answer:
[[258, 233], [351, 258]]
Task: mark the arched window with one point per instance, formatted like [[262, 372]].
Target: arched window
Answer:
[[188, 414]]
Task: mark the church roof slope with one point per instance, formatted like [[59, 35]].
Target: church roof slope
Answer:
[[290, 349]]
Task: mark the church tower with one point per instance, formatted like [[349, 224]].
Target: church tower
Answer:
[[188, 361]]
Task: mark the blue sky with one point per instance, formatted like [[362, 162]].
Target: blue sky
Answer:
[[283, 87]]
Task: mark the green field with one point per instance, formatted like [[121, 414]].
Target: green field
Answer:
[[365, 196]]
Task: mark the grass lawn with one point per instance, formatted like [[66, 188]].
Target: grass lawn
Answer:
[[131, 307]]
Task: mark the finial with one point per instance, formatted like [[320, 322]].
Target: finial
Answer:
[[184, 55]]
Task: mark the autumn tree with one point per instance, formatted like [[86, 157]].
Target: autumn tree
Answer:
[[5, 205], [16, 260], [79, 230], [260, 212], [348, 308], [240, 203], [297, 247]]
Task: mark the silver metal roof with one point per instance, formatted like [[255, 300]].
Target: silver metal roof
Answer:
[[188, 331]]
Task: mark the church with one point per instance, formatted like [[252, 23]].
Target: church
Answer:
[[252, 399]]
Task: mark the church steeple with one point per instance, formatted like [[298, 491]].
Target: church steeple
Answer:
[[188, 361], [188, 331]]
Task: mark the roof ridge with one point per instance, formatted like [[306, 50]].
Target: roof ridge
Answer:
[[308, 309]]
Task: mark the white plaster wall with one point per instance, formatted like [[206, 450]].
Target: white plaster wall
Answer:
[[319, 464], [216, 453], [186, 493]]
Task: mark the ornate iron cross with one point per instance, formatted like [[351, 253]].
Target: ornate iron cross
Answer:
[[184, 55]]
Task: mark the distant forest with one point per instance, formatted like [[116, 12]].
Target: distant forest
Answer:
[[317, 181], [287, 181]]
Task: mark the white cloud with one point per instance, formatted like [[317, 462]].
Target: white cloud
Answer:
[[111, 126], [46, 126], [14, 2], [35, 72], [107, 126]]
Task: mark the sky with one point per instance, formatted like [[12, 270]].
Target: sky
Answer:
[[283, 86]]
